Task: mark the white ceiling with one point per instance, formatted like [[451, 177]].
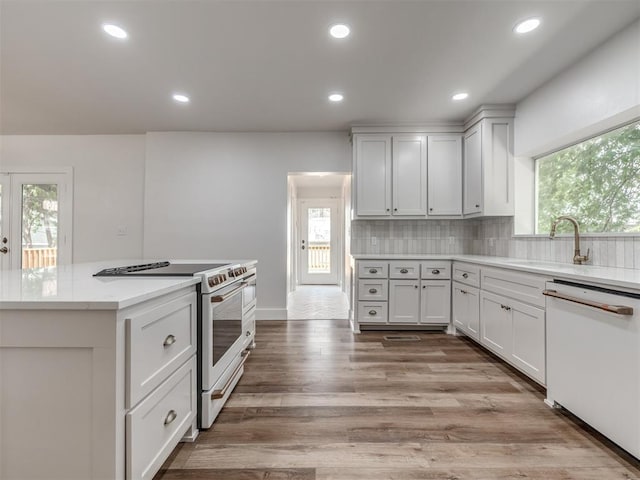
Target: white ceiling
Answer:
[[269, 65]]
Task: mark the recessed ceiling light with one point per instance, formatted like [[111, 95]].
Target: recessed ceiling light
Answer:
[[339, 31], [178, 97], [527, 25], [460, 96], [336, 97], [115, 31]]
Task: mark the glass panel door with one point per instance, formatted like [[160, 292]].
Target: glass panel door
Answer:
[[318, 242], [39, 235], [38, 220]]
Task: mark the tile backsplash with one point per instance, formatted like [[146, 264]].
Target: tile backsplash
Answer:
[[487, 236]]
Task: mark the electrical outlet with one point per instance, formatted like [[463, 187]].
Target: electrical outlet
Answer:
[[452, 240], [121, 230], [374, 241]]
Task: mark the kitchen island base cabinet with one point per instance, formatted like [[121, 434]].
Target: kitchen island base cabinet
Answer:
[[63, 399]]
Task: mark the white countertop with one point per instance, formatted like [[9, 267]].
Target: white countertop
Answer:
[[75, 287], [607, 276]]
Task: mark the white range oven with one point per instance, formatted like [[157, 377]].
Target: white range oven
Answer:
[[228, 331], [226, 326]]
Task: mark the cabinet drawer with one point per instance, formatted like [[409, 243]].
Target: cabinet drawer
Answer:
[[525, 287], [404, 270], [467, 274], [158, 341], [372, 312], [155, 426], [213, 400], [373, 270], [372, 290], [435, 270]]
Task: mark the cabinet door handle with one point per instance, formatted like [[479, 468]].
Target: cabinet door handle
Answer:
[[435, 272], [477, 206], [424, 286], [170, 340], [404, 270], [465, 275], [387, 209], [373, 290], [395, 209], [416, 286], [373, 270], [464, 292], [373, 313], [431, 209], [171, 416]]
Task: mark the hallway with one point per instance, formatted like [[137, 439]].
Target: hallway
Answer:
[[317, 302]]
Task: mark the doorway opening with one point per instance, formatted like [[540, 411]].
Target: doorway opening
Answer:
[[319, 222], [35, 219]]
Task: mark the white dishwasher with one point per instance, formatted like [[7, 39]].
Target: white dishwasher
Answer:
[[593, 358]]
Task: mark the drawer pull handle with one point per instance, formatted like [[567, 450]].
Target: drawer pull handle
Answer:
[[464, 292], [504, 307], [171, 416], [216, 394], [373, 313], [404, 270], [373, 270], [170, 340], [465, 275], [435, 272], [373, 290]]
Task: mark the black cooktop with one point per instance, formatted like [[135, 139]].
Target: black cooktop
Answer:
[[159, 269]]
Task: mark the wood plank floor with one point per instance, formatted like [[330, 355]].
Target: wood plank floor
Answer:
[[319, 403]]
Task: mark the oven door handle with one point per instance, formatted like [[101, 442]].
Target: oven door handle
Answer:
[[222, 298], [216, 394]]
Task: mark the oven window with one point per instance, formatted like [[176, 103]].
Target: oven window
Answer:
[[227, 325]]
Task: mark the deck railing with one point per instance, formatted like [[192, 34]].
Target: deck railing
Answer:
[[39, 257], [319, 257]]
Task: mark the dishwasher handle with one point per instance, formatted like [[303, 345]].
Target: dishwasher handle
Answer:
[[617, 309]]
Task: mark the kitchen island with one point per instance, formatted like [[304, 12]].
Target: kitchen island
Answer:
[[97, 375]]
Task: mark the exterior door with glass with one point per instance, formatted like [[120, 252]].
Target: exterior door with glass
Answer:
[[318, 242], [35, 220]]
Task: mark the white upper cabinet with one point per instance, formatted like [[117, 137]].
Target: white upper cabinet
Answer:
[[472, 171], [409, 175], [444, 175], [390, 175], [488, 168], [372, 165]]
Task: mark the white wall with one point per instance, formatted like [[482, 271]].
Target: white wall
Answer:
[[596, 93], [108, 172], [224, 195]]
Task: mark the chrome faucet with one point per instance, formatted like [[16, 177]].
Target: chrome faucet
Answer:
[[577, 258]]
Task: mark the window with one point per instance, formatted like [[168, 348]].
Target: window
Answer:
[[596, 181]]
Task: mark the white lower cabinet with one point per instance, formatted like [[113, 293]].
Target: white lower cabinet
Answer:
[[415, 292], [515, 331], [404, 301], [466, 309], [435, 302]]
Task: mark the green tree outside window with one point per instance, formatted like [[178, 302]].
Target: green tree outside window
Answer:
[[596, 181]]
